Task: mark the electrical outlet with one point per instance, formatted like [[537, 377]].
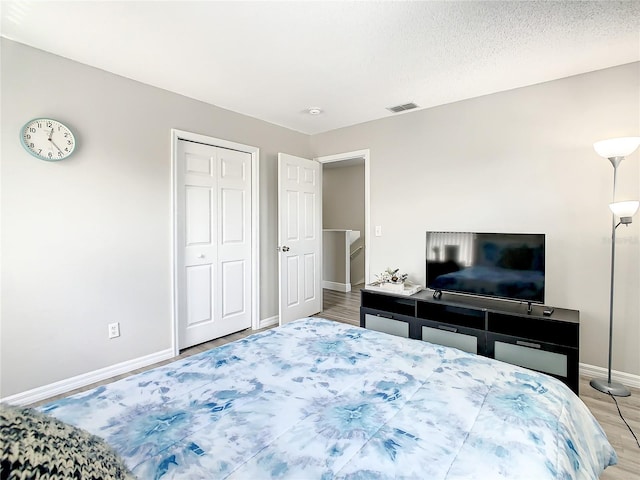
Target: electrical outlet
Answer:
[[114, 330]]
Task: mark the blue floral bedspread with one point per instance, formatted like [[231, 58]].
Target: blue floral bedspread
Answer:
[[317, 399]]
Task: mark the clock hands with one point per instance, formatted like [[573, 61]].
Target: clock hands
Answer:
[[52, 142]]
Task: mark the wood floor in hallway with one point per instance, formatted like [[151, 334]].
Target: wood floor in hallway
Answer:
[[342, 307]]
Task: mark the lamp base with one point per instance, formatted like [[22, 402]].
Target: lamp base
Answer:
[[613, 388]]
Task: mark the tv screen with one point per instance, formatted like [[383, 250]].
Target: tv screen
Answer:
[[503, 265]]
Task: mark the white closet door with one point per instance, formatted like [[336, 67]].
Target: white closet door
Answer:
[[234, 241], [213, 237]]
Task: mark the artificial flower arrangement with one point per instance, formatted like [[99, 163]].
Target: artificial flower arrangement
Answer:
[[391, 276], [394, 282]]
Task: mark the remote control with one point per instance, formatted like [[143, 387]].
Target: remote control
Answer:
[[547, 311]]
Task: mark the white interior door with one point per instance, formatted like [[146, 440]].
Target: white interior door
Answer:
[[213, 236], [299, 237]]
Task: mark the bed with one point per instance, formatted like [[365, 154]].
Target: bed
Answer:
[[317, 399]]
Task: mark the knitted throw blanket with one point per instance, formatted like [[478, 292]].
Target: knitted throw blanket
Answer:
[[36, 446]]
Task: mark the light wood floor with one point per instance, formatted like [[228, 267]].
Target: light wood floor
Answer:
[[345, 307]]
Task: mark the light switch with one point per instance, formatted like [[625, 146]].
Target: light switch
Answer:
[[378, 230]]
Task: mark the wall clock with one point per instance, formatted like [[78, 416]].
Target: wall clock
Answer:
[[47, 139]]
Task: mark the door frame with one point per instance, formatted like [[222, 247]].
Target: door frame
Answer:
[[364, 154], [177, 135]]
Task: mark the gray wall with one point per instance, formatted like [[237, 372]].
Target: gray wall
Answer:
[[87, 241], [334, 251], [343, 206], [519, 161]]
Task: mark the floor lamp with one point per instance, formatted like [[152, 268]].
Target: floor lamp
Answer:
[[615, 150]]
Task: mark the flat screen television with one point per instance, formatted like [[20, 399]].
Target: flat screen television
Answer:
[[502, 265]]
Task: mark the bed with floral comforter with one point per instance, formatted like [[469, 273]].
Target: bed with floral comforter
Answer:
[[317, 399]]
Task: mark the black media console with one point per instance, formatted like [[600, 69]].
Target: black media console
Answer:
[[492, 328]]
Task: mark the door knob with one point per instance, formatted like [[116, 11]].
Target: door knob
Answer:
[[283, 249], [201, 255]]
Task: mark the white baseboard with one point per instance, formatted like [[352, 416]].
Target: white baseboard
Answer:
[[269, 322], [338, 287], [79, 381], [627, 379]]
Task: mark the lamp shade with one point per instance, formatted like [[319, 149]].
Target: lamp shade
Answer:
[[625, 209], [616, 147]]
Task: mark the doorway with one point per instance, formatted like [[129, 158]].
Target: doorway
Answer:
[[336, 170]]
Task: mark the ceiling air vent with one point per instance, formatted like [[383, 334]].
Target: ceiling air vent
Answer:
[[402, 108]]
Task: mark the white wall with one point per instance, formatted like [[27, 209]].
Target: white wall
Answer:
[[519, 161], [87, 241]]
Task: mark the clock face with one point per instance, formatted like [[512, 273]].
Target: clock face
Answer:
[[47, 139]]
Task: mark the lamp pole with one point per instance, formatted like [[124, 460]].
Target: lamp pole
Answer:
[[616, 389], [615, 149], [615, 161]]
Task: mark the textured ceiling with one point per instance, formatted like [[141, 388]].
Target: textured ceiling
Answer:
[[274, 60]]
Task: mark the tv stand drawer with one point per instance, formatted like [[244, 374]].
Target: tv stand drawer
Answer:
[[531, 356], [556, 360], [463, 339], [387, 323]]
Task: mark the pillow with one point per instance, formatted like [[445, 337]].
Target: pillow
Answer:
[[35, 445]]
